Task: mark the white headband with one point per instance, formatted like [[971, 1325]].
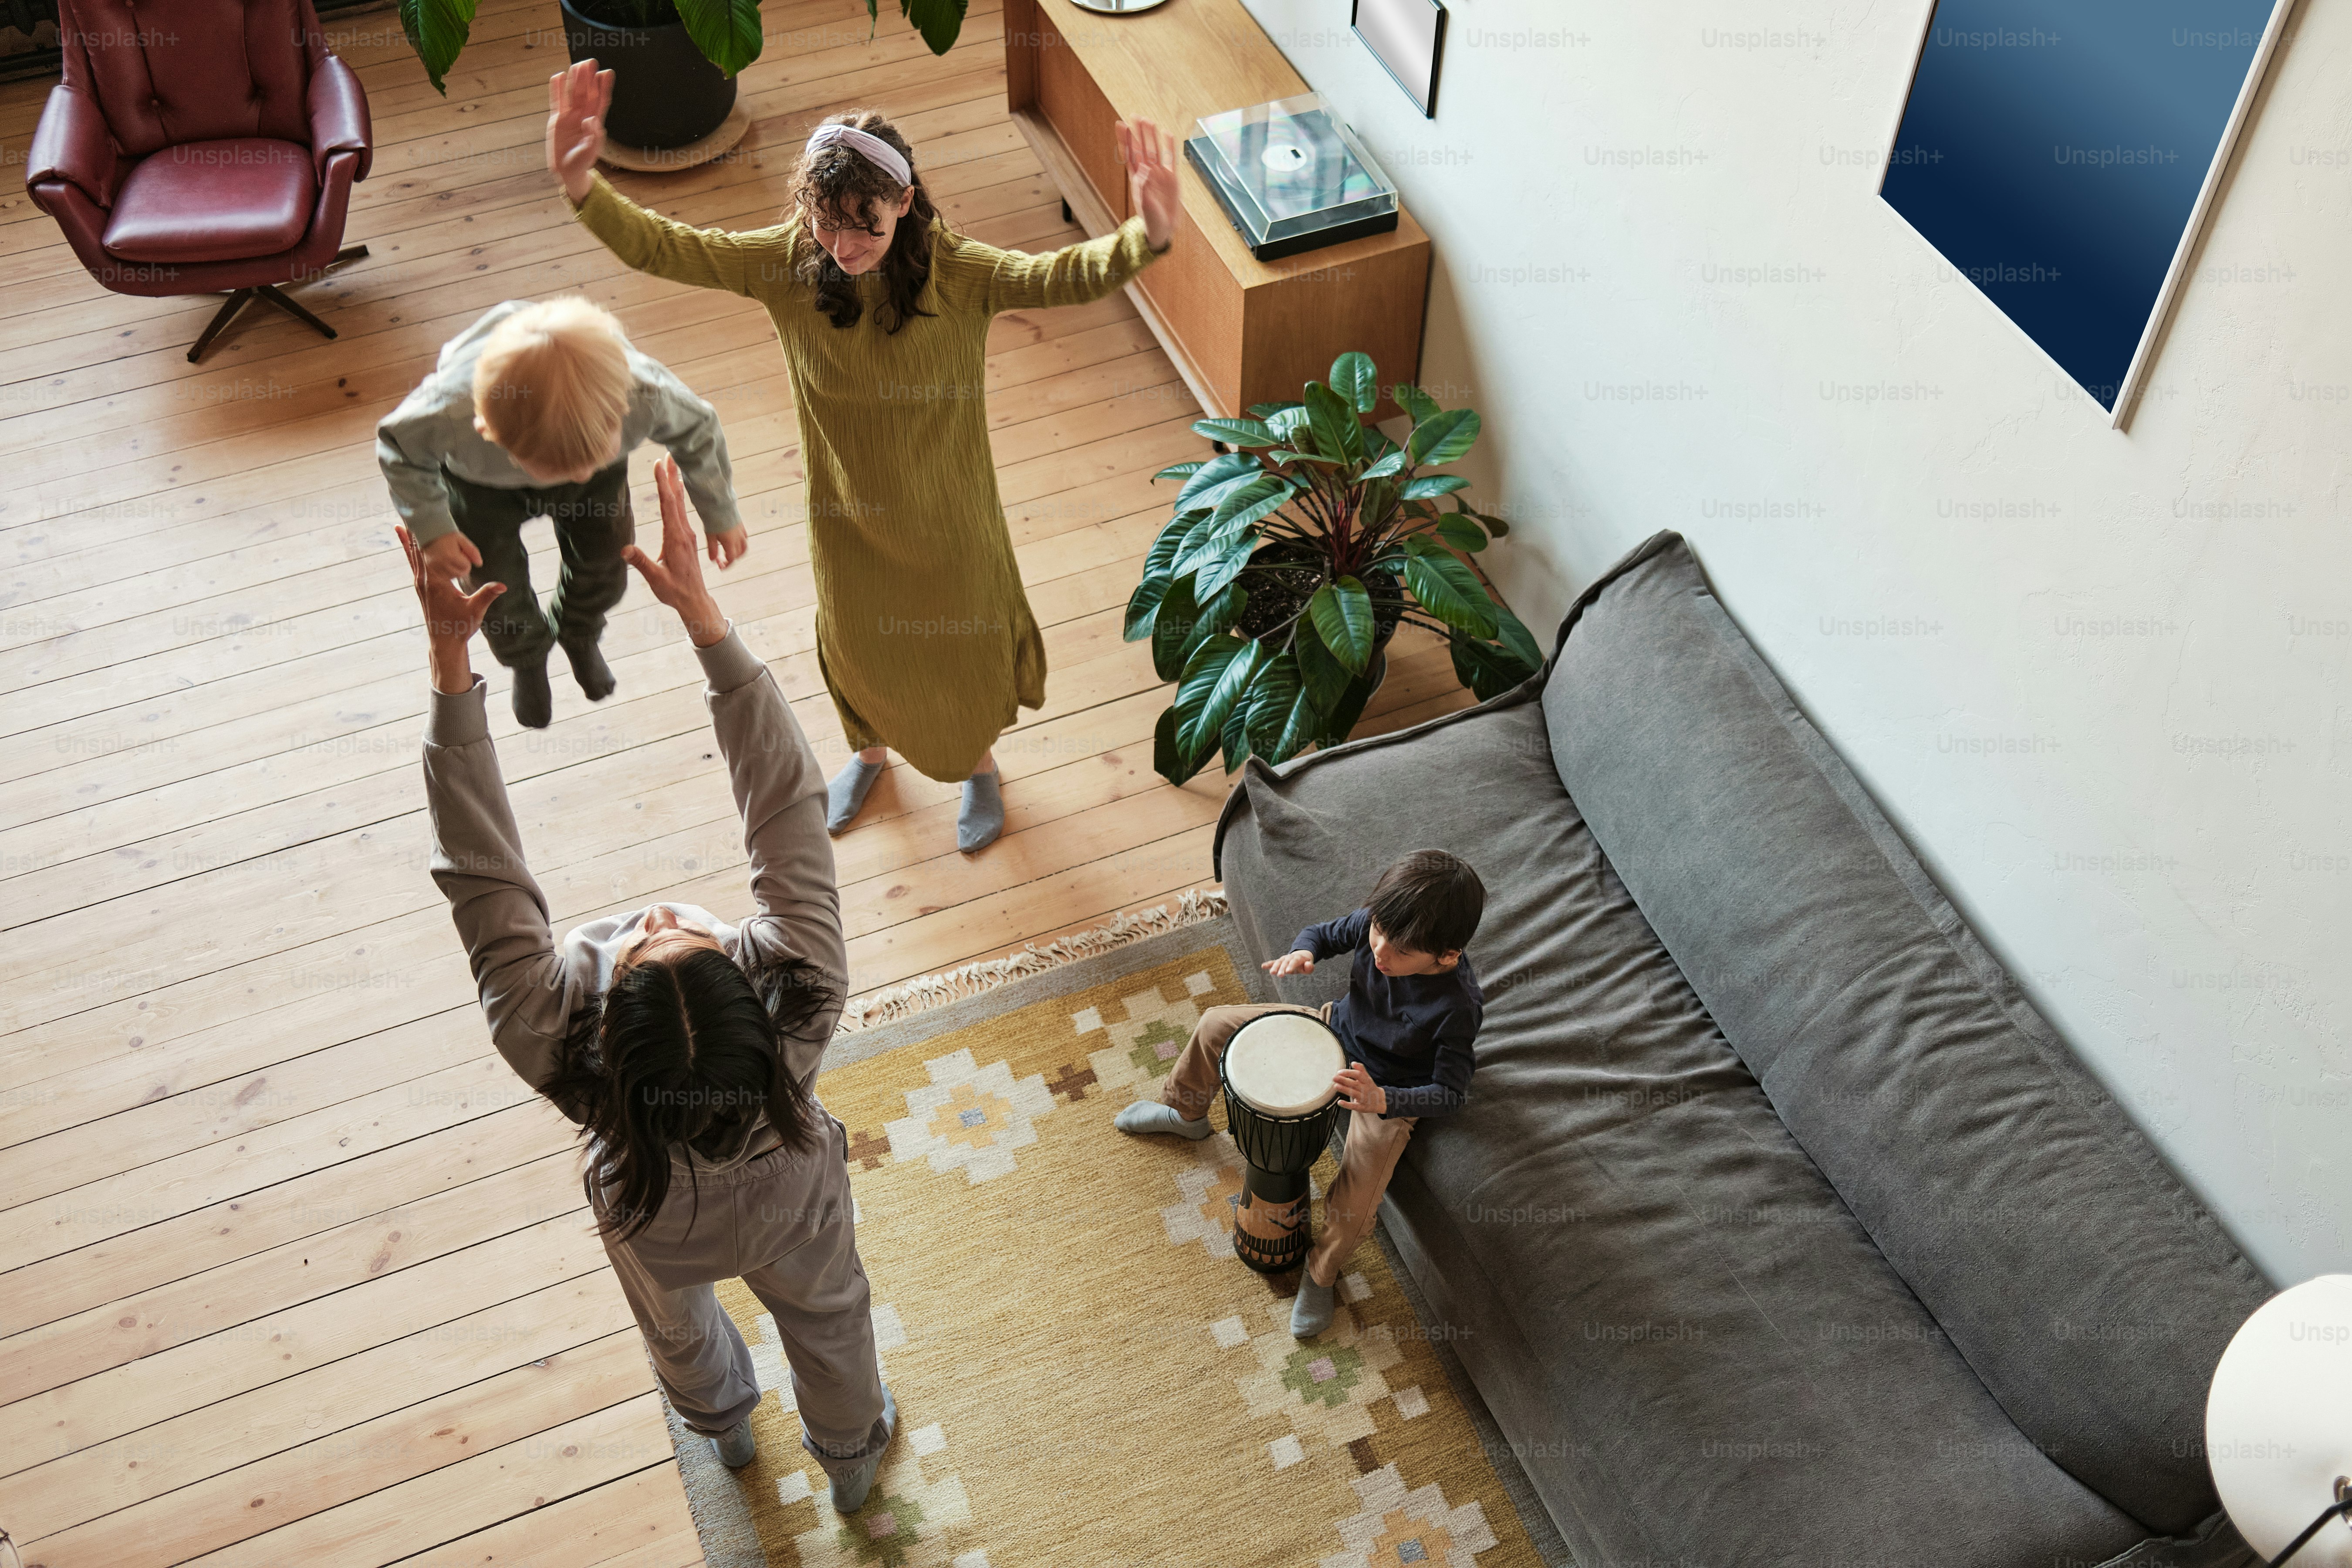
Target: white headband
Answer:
[[875, 151]]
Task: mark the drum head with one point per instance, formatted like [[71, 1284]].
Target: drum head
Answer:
[[1283, 1063]]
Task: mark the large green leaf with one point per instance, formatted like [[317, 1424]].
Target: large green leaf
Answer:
[[1235, 737], [1428, 486], [1321, 675], [1288, 422], [1234, 432], [1338, 432], [1487, 670], [1516, 636], [436, 30], [1442, 437], [1354, 378], [1448, 589], [1143, 607], [1390, 463], [1169, 758], [1414, 401], [1221, 611], [1172, 629], [725, 31], [1459, 529], [1299, 728], [1272, 697], [1266, 411], [1221, 569], [1341, 716], [1177, 471], [938, 20], [1216, 676], [1222, 469], [1342, 614]]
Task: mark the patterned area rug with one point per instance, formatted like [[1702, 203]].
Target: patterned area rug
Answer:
[[1085, 1374]]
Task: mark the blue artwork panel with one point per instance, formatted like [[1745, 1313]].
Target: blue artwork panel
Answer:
[[2053, 150]]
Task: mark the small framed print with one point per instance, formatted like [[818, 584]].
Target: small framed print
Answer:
[[1408, 36]]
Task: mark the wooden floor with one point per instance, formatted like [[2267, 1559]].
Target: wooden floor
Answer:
[[292, 1272]]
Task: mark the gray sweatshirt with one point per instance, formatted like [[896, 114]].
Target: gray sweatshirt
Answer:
[[529, 984], [433, 429]]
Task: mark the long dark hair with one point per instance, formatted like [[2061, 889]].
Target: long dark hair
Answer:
[[840, 184], [685, 1053]]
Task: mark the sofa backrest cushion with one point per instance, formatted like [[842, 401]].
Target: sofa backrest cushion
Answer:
[[2086, 1286]]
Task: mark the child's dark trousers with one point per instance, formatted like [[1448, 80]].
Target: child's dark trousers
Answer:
[[593, 522]]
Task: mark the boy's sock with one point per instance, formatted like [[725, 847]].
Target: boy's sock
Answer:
[[983, 817], [589, 669], [534, 704], [737, 1447], [1310, 1314], [1150, 1116], [846, 793]]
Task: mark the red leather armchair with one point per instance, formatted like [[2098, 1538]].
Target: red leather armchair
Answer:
[[196, 145]]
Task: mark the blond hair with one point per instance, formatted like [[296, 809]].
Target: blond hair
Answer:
[[551, 384]]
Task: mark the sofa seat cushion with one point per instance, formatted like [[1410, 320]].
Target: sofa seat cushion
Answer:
[[230, 200], [1696, 1351]]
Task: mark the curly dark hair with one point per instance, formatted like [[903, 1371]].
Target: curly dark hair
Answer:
[[841, 185], [685, 1053]]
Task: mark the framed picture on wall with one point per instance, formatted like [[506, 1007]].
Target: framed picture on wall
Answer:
[[2063, 156], [1408, 36]]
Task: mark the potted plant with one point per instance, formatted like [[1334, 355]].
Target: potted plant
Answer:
[[1270, 596], [672, 50]]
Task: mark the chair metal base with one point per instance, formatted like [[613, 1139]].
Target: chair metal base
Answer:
[[235, 304]]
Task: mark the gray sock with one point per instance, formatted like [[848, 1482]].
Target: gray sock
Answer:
[[846, 793], [983, 817], [1150, 1116], [1310, 1314]]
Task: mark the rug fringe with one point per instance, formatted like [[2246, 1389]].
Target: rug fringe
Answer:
[[919, 995]]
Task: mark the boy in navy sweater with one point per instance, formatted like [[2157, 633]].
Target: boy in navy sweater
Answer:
[[1411, 1011]]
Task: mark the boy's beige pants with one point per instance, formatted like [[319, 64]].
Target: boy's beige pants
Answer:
[[1374, 1144]]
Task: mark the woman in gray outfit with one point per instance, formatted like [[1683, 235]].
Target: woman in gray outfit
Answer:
[[684, 1048]]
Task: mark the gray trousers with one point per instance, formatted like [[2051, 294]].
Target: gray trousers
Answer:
[[781, 1223]]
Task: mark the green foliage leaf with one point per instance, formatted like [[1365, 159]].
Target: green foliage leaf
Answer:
[[1458, 530], [1299, 728], [1338, 433], [1391, 463], [1221, 611], [1224, 468], [1248, 501], [1443, 437], [1448, 589], [1322, 678], [1236, 432], [1353, 378], [938, 20], [1216, 675], [1266, 411], [1488, 671], [1169, 758], [728, 31], [1414, 401], [1221, 569], [1271, 697], [1342, 715], [1177, 471], [1342, 614], [1172, 629], [1496, 526], [1516, 636], [1234, 738], [1427, 486], [436, 30]]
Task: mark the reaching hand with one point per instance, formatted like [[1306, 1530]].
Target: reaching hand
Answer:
[[452, 555], [726, 549], [1299, 960], [1358, 1092], [452, 616], [576, 101], [1150, 154], [676, 579]]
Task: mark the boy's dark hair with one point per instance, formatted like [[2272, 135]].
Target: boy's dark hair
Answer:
[[1429, 901], [685, 1052], [840, 184]]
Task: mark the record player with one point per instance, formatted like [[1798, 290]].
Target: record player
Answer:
[[1291, 176]]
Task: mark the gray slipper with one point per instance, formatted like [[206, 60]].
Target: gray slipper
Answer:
[[983, 817], [846, 793]]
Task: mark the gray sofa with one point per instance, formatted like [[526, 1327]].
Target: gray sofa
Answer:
[[1780, 1228]]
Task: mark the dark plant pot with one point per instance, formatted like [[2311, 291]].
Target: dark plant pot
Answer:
[[665, 93], [1276, 598]]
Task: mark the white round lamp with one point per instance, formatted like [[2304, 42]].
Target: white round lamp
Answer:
[[2278, 1426]]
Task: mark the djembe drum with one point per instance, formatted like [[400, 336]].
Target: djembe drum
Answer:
[[1277, 1071]]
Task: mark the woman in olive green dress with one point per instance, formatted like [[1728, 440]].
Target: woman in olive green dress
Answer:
[[924, 636]]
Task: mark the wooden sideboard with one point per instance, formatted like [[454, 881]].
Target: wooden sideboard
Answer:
[[1240, 331]]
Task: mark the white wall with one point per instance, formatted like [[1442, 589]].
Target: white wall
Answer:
[[2098, 678]]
